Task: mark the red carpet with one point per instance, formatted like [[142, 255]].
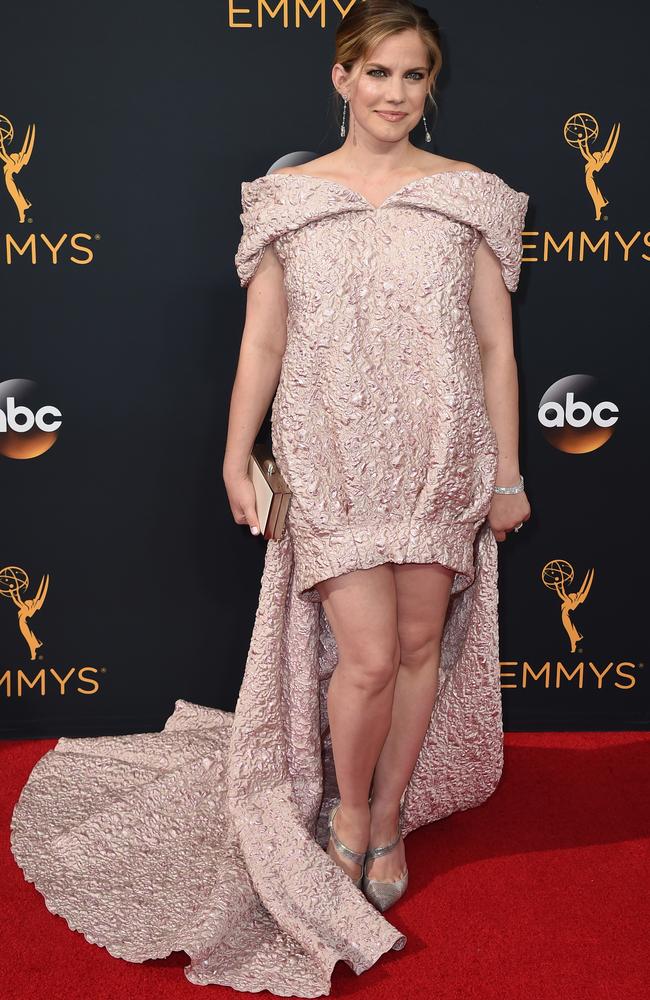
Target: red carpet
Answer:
[[542, 892]]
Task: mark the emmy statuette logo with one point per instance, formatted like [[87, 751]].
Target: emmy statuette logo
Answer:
[[14, 162], [580, 130], [557, 575], [13, 585]]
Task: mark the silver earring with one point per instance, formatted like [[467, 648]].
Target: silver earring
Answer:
[[427, 134], [345, 105]]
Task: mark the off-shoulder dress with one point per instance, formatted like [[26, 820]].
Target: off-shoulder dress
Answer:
[[208, 837]]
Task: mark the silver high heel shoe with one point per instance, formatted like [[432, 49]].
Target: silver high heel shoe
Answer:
[[358, 857], [383, 894]]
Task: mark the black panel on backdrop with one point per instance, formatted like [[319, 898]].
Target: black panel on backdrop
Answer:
[[124, 582]]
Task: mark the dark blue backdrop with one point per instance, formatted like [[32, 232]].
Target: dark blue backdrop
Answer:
[[146, 120]]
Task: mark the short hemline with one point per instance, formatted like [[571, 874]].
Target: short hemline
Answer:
[[365, 546]]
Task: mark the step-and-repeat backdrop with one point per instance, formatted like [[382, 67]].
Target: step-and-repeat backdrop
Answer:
[[125, 132]]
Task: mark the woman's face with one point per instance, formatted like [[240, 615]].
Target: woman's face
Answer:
[[393, 79]]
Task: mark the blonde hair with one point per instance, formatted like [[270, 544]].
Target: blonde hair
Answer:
[[370, 21]]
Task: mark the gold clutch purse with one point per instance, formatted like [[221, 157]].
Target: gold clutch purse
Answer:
[[272, 495]]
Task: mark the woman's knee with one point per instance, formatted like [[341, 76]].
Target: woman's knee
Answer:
[[423, 592], [419, 644], [371, 667], [361, 608]]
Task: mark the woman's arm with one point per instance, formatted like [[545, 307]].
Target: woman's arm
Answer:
[[260, 360], [491, 313]]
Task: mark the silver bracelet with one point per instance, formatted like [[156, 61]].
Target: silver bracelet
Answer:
[[511, 489]]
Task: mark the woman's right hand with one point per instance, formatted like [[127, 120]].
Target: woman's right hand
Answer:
[[241, 497]]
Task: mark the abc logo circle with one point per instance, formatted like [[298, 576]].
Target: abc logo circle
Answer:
[[574, 415], [29, 425]]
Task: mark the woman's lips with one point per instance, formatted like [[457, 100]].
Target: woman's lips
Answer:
[[392, 116]]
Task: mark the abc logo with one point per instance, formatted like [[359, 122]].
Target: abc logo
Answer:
[[28, 425], [575, 417]]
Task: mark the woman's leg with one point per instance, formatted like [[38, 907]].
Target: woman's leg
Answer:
[[361, 608], [423, 591]]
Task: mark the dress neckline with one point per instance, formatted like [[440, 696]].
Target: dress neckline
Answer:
[[361, 197]]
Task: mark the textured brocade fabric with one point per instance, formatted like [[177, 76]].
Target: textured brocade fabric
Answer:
[[379, 420], [208, 837]]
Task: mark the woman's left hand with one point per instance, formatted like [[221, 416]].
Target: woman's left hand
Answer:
[[507, 511]]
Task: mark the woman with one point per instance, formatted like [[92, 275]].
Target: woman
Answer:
[[378, 319], [387, 616]]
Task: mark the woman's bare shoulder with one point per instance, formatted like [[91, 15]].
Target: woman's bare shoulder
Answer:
[[312, 166], [434, 163], [430, 163]]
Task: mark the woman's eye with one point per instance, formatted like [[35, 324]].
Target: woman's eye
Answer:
[[415, 74]]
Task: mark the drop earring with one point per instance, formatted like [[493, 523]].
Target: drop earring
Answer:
[[427, 134], [345, 105]]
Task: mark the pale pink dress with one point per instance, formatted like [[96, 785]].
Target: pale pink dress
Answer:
[[208, 836]]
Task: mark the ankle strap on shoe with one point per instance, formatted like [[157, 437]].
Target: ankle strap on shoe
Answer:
[[378, 852], [357, 856]]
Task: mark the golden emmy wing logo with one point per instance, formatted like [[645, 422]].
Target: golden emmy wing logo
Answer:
[[580, 130], [14, 162], [13, 583], [557, 575]]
